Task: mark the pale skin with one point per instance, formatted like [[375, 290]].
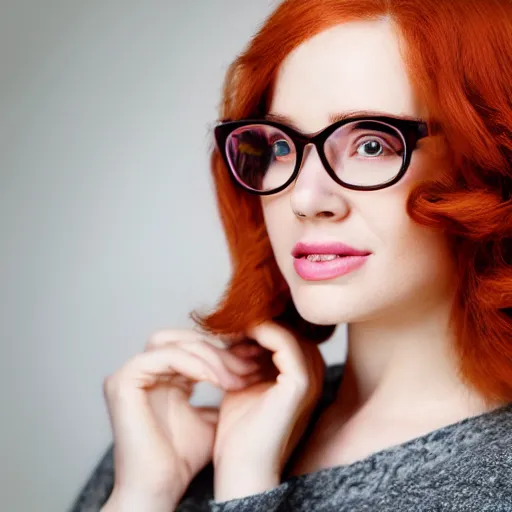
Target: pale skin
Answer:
[[400, 378], [162, 442]]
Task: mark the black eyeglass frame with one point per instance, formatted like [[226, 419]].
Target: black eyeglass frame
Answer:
[[411, 130]]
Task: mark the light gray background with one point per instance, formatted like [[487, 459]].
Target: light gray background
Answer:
[[109, 228]]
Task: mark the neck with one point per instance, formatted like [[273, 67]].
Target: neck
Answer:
[[404, 368]]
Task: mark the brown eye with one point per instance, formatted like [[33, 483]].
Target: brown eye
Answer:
[[370, 148]]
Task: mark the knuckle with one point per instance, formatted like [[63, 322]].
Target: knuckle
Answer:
[[113, 382], [109, 385], [156, 338], [302, 384]]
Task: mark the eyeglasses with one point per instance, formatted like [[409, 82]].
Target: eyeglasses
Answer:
[[359, 153]]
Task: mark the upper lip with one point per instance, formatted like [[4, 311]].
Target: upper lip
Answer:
[[305, 248]]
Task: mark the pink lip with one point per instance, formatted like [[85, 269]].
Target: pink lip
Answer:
[[321, 270], [304, 248]]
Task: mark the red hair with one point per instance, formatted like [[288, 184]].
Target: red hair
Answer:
[[458, 55]]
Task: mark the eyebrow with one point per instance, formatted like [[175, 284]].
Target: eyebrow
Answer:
[[334, 118]]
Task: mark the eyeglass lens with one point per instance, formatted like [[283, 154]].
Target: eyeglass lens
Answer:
[[363, 153]]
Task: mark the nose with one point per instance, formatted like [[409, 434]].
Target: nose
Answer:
[[315, 194]]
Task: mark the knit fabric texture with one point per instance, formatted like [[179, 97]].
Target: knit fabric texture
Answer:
[[465, 466]]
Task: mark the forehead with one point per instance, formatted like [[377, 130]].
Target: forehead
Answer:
[[349, 67]]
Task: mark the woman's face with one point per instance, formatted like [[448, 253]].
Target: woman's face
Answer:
[[351, 67]]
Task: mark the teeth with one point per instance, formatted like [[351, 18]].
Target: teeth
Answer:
[[322, 257]]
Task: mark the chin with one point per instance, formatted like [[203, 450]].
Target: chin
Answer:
[[323, 307]]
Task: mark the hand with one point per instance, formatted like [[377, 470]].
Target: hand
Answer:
[[161, 441], [259, 426]]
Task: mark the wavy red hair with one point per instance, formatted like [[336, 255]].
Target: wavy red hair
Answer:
[[459, 58]]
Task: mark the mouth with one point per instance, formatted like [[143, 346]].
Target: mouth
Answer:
[[322, 261], [326, 251], [323, 257]]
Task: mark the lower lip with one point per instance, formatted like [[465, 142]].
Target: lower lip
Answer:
[[321, 270]]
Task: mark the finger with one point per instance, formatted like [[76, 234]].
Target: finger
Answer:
[[144, 369], [229, 366], [188, 336], [247, 349], [164, 337], [286, 352], [176, 381], [238, 345], [209, 414]]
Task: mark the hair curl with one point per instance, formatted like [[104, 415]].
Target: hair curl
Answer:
[[458, 55]]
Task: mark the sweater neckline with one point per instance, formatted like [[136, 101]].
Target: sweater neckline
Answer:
[[423, 451]]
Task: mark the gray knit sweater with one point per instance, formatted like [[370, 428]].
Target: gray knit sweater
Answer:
[[465, 466]]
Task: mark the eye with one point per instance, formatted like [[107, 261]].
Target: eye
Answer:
[[372, 147], [281, 148]]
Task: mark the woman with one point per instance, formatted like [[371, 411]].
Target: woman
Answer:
[[363, 174]]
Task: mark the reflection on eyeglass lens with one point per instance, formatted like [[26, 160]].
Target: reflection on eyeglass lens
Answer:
[[263, 157]]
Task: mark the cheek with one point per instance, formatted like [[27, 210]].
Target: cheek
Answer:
[[408, 251], [282, 229], [414, 240], [412, 257], [278, 219], [394, 230]]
